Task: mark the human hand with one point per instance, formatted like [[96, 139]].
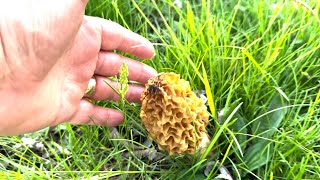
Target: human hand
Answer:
[[49, 51]]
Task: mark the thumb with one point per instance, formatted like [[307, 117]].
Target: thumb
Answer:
[[59, 22], [66, 18], [47, 27]]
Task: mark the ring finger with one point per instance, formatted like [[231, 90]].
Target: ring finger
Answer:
[[105, 90], [109, 63]]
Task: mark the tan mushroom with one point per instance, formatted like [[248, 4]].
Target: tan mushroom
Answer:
[[173, 115]]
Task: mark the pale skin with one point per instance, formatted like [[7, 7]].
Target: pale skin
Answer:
[[49, 50]]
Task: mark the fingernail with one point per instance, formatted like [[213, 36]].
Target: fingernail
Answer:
[[152, 71], [154, 53], [149, 72], [152, 50]]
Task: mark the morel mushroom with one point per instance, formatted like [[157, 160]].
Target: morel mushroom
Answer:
[[173, 115]]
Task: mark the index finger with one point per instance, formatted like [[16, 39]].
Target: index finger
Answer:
[[116, 37]]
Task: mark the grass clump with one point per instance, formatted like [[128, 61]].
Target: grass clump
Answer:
[[259, 64]]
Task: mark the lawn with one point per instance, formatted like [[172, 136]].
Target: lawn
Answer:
[[258, 63]]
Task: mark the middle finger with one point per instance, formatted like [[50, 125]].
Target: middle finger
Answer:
[[109, 64], [103, 91]]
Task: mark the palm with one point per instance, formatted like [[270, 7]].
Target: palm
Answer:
[[78, 66]]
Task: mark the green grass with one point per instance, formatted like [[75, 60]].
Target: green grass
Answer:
[[259, 62]]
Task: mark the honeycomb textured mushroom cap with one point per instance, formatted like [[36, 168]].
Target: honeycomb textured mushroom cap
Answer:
[[173, 115]]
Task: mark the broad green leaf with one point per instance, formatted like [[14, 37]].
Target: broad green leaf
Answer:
[[238, 126], [264, 126], [258, 154], [267, 123]]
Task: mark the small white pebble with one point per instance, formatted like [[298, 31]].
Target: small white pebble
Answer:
[[17, 146], [28, 141], [39, 145], [62, 127], [204, 98], [61, 149], [177, 3], [220, 115]]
